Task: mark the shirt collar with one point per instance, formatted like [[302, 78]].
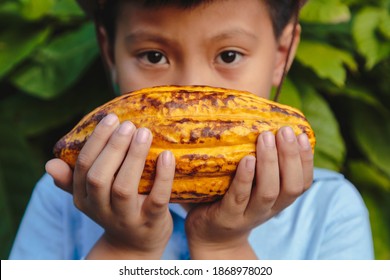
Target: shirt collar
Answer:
[[178, 210]]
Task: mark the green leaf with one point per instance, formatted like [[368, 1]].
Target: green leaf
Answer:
[[330, 148], [36, 116], [363, 96], [7, 227], [34, 10], [58, 66], [326, 61], [384, 24], [325, 11], [380, 223], [66, 9], [19, 172], [366, 174], [360, 93], [289, 95], [364, 30], [17, 43], [9, 8], [16, 159], [372, 133]]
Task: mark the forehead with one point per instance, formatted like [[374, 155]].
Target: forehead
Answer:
[[184, 4], [253, 13]]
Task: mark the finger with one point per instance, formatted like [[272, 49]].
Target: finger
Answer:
[[101, 174], [236, 199], [307, 160], [267, 188], [61, 173], [90, 152], [124, 191], [157, 201], [290, 168]]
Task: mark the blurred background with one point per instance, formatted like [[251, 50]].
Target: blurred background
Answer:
[[51, 75]]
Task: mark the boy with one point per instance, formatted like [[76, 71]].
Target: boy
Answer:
[[243, 45]]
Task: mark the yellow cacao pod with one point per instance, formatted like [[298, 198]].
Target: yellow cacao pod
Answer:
[[209, 130]]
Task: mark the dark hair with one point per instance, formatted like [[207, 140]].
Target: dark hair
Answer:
[[281, 12]]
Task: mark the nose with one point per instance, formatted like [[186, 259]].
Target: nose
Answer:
[[193, 74]]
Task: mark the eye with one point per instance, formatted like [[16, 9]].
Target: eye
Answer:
[[153, 57], [229, 57]]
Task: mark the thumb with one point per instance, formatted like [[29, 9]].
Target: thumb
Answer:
[[61, 173]]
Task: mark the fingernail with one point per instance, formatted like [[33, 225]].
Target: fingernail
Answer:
[[268, 139], [125, 128], [167, 158], [142, 135], [303, 141], [288, 134], [110, 119], [250, 163]]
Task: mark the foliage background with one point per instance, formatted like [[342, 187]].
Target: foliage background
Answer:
[[51, 75]]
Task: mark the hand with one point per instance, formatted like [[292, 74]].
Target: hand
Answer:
[[283, 170], [105, 187]]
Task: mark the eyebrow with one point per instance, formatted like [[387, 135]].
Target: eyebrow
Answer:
[[144, 35], [141, 36], [231, 33]]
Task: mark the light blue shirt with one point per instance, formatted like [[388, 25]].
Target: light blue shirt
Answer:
[[329, 221]]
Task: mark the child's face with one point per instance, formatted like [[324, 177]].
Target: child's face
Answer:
[[227, 44]]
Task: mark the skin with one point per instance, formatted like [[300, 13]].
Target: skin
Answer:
[[150, 49]]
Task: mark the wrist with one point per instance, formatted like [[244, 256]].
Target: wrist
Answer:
[[108, 249], [222, 251]]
